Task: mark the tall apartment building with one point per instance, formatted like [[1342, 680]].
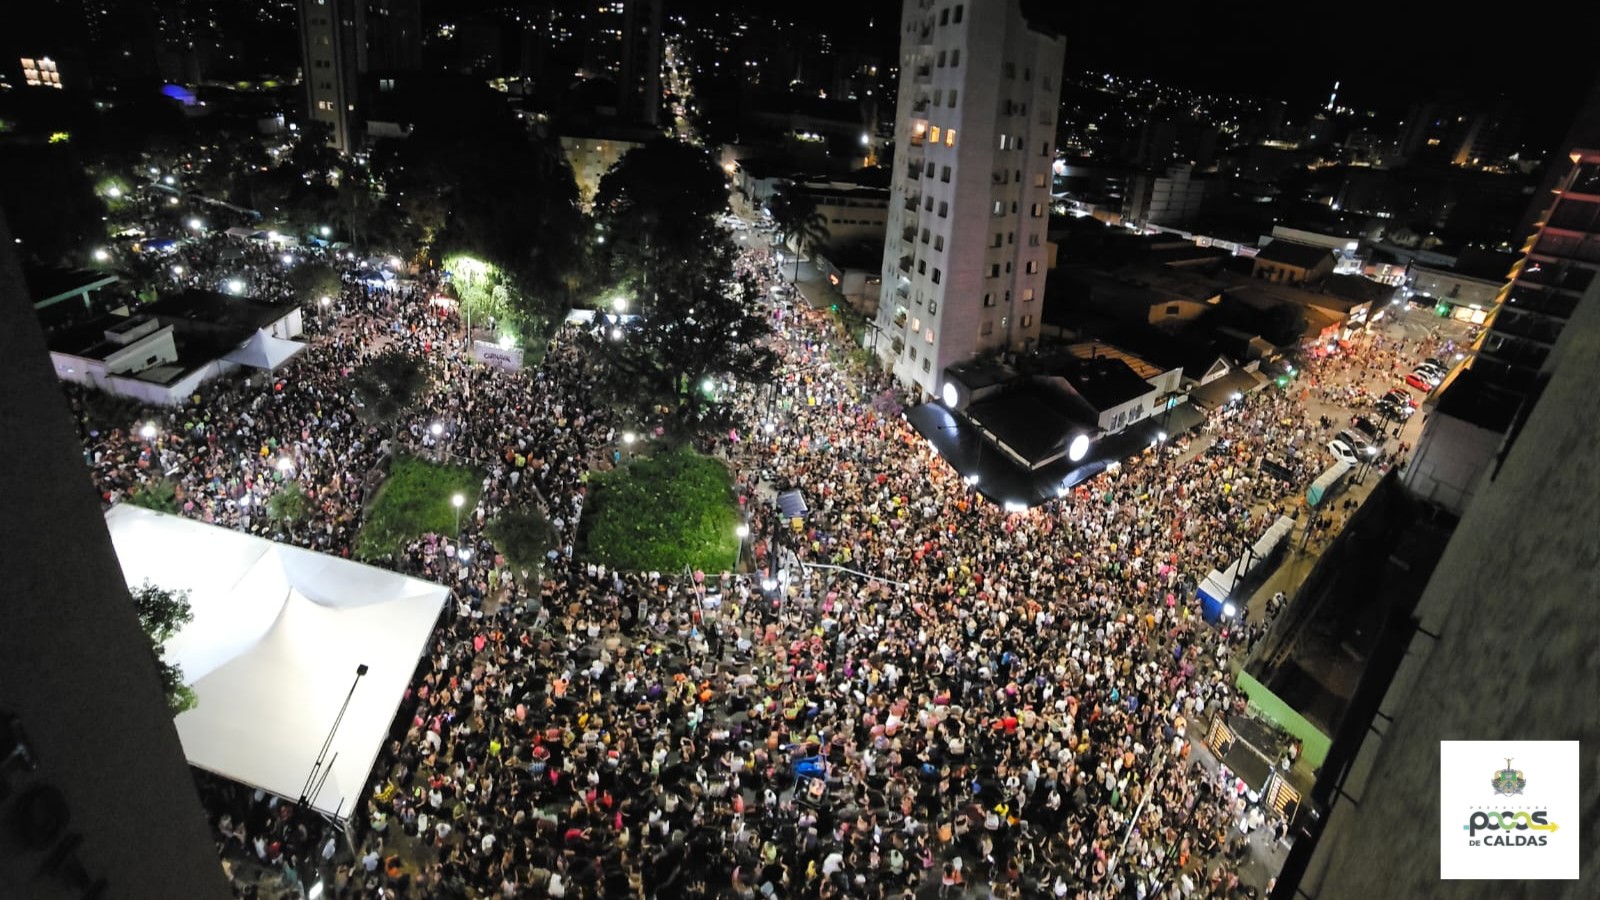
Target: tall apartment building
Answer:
[[639, 75], [1557, 272], [394, 35], [333, 50], [964, 260]]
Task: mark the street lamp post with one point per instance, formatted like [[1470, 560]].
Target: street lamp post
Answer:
[[743, 531], [458, 501]]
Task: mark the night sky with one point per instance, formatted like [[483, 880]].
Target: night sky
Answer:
[[1386, 55]]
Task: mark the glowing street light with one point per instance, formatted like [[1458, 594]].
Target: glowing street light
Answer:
[[769, 426], [708, 385], [100, 254], [506, 342], [113, 192], [464, 554], [167, 179], [616, 334], [436, 429], [325, 231], [235, 286], [177, 270], [196, 224], [620, 304], [458, 501], [629, 437], [394, 262], [287, 259], [743, 531], [285, 464], [148, 431], [1229, 610], [1078, 448]]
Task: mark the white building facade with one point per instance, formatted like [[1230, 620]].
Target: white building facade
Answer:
[[964, 260]]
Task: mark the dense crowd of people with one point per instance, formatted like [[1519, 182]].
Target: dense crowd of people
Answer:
[[1006, 706]]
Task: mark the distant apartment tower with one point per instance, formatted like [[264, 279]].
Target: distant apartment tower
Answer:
[[965, 257], [639, 76], [333, 48], [394, 35]]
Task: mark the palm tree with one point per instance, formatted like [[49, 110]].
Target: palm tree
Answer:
[[795, 214]]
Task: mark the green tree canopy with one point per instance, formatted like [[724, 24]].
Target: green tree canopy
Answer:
[[656, 208], [523, 537], [703, 323], [162, 612], [489, 192], [388, 384], [314, 280], [795, 214]]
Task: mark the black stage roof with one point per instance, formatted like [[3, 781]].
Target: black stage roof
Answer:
[[1005, 481]]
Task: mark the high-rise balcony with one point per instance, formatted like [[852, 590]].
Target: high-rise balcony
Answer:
[[1556, 275], [922, 74], [905, 264], [908, 233], [912, 202]]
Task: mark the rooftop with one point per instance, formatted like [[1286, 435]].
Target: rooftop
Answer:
[[1033, 420], [1290, 253], [1098, 350], [1103, 382], [1480, 265], [216, 311], [862, 254], [1357, 289], [50, 284]]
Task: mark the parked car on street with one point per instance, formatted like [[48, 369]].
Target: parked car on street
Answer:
[[1343, 452], [1391, 409], [1366, 428], [1357, 442], [1420, 381]]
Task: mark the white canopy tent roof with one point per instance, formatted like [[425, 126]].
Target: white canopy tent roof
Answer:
[[263, 351], [272, 652]]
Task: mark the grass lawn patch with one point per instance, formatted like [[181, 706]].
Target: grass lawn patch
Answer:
[[416, 501], [663, 513]]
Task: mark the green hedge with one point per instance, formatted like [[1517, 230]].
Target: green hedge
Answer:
[[416, 501], [663, 513]]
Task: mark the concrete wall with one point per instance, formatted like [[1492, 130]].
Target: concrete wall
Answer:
[[109, 787], [1450, 460]]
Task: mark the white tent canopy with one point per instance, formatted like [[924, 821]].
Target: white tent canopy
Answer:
[[272, 652], [263, 351]]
